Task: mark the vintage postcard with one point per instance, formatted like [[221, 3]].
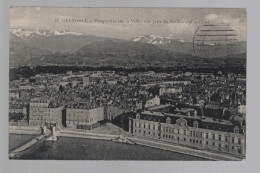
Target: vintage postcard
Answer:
[[127, 83]]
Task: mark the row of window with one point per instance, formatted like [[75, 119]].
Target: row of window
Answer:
[[192, 133], [42, 119], [43, 115], [149, 133], [77, 121], [168, 136], [81, 119], [214, 137], [197, 141], [42, 110], [199, 135], [149, 126], [77, 112], [184, 139], [73, 122], [169, 130], [34, 122], [196, 134], [172, 137], [226, 138]]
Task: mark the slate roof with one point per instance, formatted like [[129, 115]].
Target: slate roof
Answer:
[[201, 124]]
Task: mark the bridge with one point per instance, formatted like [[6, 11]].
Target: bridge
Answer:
[[47, 132]]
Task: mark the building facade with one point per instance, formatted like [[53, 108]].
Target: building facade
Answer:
[[189, 132], [83, 118], [40, 113], [111, 111], [164, 90]]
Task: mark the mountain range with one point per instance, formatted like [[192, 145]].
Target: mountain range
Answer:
[[37, 46], [187, 47]]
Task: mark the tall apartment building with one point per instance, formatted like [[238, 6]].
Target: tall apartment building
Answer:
[[193, 132], [40, 112], [82, 116]]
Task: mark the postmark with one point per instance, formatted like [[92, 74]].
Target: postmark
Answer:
[[214, 40]]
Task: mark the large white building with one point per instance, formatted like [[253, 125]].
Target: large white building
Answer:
[[164, 90], [81, 116], [40, 113], [193, 132]]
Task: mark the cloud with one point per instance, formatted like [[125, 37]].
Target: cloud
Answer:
[[235, 23], [36, 17], [181, 30]]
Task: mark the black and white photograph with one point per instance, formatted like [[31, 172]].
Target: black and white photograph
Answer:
[[150, 84]]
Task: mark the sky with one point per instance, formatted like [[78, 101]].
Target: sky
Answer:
[[177, 23]]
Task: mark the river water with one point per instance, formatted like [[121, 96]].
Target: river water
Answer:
[[16, 140], [89, 149]]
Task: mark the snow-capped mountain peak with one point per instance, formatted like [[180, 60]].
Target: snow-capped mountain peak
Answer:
[[154, 39], [36, 32]]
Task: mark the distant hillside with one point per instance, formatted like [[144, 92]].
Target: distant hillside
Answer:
[[238, 60], [33, 45], [122, 52], [63, 47], [115, 52], [63, 43], [187, 47], [118, 52], [20, 52]]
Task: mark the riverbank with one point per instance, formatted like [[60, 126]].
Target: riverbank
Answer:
[[145, 142], [153, 144], [18, 140], [184, 150], [69, 148], [74, 134]]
